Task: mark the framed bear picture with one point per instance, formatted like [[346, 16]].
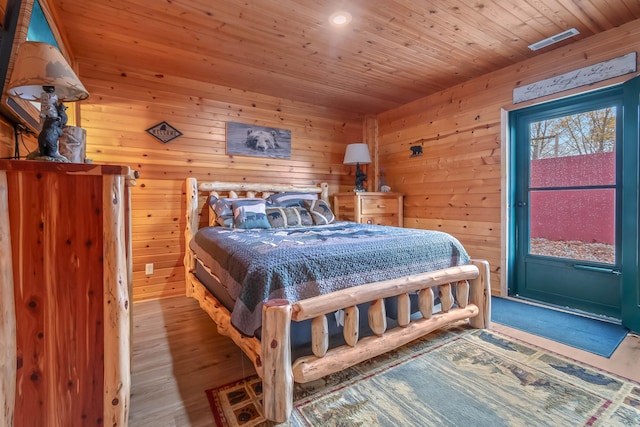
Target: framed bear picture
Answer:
[[261, 141]]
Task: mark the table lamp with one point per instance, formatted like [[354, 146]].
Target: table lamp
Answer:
[[358, 153], [42, 74]]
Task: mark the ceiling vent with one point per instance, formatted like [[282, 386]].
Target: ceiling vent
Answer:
[[554, 39]]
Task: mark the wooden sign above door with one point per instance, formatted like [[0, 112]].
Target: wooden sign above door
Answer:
[[584, 76]]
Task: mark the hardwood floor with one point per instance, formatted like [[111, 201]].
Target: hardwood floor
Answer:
[[178, 354]]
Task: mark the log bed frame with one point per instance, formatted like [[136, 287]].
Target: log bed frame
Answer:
[[272, 355]]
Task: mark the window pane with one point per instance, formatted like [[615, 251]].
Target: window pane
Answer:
[[574, 150], [575, 224]]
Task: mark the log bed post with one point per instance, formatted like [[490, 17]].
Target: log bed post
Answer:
[[191, 192], [277, 376], [7, 312], [324, 194], [351, 330], [480, 295]]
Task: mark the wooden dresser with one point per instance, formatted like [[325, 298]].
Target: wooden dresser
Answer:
[[369, 207], [64, 294]]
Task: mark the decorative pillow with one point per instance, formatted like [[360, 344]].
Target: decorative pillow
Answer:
[[225, 221], [320, 211], [289, 217], [221, 207], [249, 213], [290, 199]]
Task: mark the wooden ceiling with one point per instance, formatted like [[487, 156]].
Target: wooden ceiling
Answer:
[[392, 52]]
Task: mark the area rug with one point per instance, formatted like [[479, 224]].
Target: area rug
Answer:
[[592, 335], [453, 378]]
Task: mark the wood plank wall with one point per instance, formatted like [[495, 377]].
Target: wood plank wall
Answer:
[[123, 103], [457, 184]]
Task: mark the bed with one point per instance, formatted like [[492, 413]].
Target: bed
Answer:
[[397, 299]]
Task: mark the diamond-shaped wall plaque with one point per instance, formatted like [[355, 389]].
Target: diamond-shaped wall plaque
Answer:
[[164, 132]]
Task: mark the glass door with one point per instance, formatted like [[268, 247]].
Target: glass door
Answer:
[[566, 205]]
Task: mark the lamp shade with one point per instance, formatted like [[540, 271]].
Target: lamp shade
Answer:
[[41, 64], [357, 153]]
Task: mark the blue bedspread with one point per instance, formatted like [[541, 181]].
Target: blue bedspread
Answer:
[[297, 263]]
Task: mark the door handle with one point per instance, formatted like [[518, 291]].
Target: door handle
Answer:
[[596, 269], [521, 204]]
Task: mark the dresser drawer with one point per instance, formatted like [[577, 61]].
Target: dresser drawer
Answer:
[[379, 205]]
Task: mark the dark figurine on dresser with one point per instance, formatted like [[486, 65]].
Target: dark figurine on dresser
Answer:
[[48, 137], [361, 177]]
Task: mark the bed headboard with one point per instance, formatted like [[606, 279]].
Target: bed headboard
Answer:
[[237, 189], [243, 189]]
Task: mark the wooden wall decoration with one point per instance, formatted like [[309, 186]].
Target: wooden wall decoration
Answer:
[[164, 132], [584, 76], [262, 141], [416, 150]]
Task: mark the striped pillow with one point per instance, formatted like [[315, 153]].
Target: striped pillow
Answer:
[[290, 199], [289, 217], [225, 221], [221, 207], [321, 212]]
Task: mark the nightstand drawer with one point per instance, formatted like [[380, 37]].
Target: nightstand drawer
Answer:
[[379, 205]]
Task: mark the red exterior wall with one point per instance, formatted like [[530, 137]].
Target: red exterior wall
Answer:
[[584, 215]]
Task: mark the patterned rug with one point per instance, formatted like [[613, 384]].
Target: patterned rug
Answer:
[[452, 378]]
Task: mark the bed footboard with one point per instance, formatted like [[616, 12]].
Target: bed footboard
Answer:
[[472, 302]]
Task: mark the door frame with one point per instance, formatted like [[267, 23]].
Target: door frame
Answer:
[[631, 237]]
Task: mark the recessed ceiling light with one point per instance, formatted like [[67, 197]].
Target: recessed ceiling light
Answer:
[[340, 18]]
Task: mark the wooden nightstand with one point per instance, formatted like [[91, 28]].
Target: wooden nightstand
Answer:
[[369, 207]]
